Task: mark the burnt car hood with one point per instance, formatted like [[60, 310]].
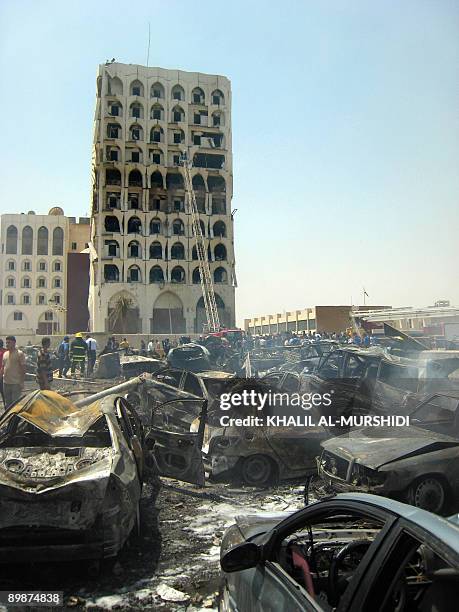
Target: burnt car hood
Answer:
[[376, 447]]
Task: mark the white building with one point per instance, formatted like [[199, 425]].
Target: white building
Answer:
[[144, 271], [33, 266]]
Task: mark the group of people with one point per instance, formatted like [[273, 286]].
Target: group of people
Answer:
[[296, 339], [73, 354]]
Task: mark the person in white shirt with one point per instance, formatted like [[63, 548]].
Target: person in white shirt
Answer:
[[151, 348], [92, 353]]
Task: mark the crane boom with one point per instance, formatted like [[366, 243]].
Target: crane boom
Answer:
[[207, 286]]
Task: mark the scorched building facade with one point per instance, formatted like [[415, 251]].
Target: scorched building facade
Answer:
[[144, 267]]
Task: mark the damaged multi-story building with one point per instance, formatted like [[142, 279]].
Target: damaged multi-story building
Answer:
[[144, 266]]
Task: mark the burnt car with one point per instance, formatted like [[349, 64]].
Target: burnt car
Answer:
[[307, 360], [135, 365], [418, 464], [70, 478], [191, 357], [354, 553]]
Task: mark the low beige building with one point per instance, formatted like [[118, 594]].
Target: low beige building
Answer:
[[315, 319]]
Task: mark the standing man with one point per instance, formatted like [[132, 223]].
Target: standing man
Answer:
[[2, 351], [151, 347], [78, 352], [92, 353], [63, 352], [13, 371], [44, 369]]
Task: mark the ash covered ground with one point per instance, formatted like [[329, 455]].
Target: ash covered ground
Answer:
[[173, 564]]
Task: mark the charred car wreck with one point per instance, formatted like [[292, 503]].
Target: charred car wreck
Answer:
[[70, 478]]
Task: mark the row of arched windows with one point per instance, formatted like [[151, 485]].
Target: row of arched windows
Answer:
[[177, 250], [26, 266], [26, 299], [156, 275], [157, 90], [174, 180], [26, 282], [134, 226], [157, 113], [27, 241]]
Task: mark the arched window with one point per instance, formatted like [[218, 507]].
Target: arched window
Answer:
[[217, 97], [58, 241], [156, 275], [41, 299], [135, 178], [220, 252], [11, 265], [136, 110], [136, 88], [156, 250], [219, 229], [112, 176], [115, 86], [112, 224], [25, 299], [157, 181], [111, 273], [178, 251], [177, 114], [156, 156], [178, 229], [27, 240], [220, 275], [157, 112], [178, 275], [134, 275], [10, 282], [196, 276], [177, 137], [26, 282], [202, 226], [57, 282], [12, 240], [134, 249], [174, 180], [57, 266], [41, 282], [136, 132], [42, 241], [178, 93], [27, 265], [114, 130], [115, 109], [134, 226], [157, 90], [155, 226], [197, 96], [156, 134], [216, 184], [194, 253], [198, 183], [56, 299]]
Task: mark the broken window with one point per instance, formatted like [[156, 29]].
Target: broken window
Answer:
[[135, 179], [216, 119], [134, 275], [176, 160], [156, 250], [198, 183], [207, 160], [217, 97], [177, 138], [112, 176], [113, 154], [112, 248], [178, 275], [178, 229], [178, 251], [134, 226], [136, 133], [113, 201], [111, 273], [219, 229], [113, 130], [178, 93], [216, 183], [155, 226], [136, 88], [156, 158], [157, 180], [135, 156], [115, 110], [196, 276], [136, 111], [197, 139], [156, 134], [197, 119], [156, 275], [198, 96], [133, 201], [134, 249], [179, 206], [112, 224], [174, 180], [220, 252]]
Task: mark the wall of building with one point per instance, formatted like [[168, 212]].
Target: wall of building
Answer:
[[79, 234], [78, 292], [139, 188]]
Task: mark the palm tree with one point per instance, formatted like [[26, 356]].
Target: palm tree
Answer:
[[119, 313]]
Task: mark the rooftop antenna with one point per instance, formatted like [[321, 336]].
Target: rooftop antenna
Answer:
[[148, 50]]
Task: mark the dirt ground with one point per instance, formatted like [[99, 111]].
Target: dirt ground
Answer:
[[173, 565]]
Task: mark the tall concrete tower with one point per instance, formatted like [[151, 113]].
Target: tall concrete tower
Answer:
[[144, 266]]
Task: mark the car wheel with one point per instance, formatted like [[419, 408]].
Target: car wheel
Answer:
[[428, 494], [257, 470]]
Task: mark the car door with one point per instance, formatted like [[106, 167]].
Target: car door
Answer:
[[328, 379], [175, 449], [133, 430]]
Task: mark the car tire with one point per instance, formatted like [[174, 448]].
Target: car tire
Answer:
[[428, 493], [257, 470]]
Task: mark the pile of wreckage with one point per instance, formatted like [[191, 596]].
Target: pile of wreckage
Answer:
[[71, 470]]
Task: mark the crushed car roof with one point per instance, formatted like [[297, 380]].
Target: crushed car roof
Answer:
[[54, 414]]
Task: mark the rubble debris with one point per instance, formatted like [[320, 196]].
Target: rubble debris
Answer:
[[168, 593]]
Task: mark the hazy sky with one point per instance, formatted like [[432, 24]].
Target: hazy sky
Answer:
[[345, 132]]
